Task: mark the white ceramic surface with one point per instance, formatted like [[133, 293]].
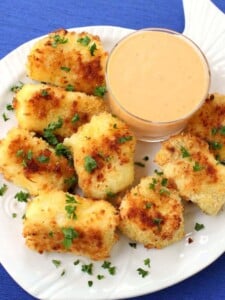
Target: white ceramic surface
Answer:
[[37, 274]]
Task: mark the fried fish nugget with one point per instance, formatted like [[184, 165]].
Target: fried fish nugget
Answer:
[[103, 152], [68, 59], [152, 213], [31, 163], [209, 124], [38, 105], [62, 222], [187, 160]]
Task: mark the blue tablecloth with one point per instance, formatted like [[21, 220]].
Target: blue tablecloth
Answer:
[[23, 20]]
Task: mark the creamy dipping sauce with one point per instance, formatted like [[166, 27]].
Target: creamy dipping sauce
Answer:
[[157, 76]]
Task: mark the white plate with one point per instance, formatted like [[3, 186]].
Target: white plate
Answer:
[[37, 274]]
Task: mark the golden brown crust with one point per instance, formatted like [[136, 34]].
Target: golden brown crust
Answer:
[[186, 159], [208, 123], [62, 60], [30, 163], [152, 213], [39, 105], [95, 224], [110, 143]]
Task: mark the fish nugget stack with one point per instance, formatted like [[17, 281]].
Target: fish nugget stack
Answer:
[[68, 141]]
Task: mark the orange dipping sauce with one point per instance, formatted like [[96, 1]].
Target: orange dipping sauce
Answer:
[[156, 80]]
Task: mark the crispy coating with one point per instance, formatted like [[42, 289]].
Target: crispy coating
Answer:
[[47, 217], [38, 105], [152, 213], [68, 59], [31, 163], [198, 176], [103, 152], [209, 124]]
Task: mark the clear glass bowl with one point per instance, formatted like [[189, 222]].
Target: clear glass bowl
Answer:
[[146, 129]]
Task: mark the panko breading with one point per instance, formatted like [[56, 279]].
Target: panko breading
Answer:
[[103, 152], [187, 160], [152, 213], [62, 222], [209, 124], [31, 163], [39, 105], [68, 59]]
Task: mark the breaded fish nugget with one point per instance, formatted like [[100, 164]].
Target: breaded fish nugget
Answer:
[[75, 61], [62, 222], [103, 152], [152, 213], [38, 105], [31, 163], [209, 124], [187, 160]]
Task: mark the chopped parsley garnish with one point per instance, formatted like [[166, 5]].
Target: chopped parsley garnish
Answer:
[[197, 167], [100, 91], [56, 262], [148, 205], [133, 245], [84, 40], [22, 196], [66, 69], [214, 131], [164, 182], [43, 159], [55, 125], [110, 194], [63, 273], [3, 189], [184, 152], [147, 262], [61, 149], [17, 87], [71, 207], [92, 49], [70, 199], [222, 130], [57, 39], [142, 272], [90, 283], [48, 132], [75, 118], [139, 164], [89, 164], [70, 88], [51, 233], [215, 145], [164, 191], [19, 152], [76, 262], [159, 173], [199, 226], [5, 118], [153, 184], [14, 215], [69, 235], [100, 277], [70, 181], [157, 221], [124, 139], [9, 107], [111, 269], [71, 211], [29, 155], [44, 93], [87, 268]]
